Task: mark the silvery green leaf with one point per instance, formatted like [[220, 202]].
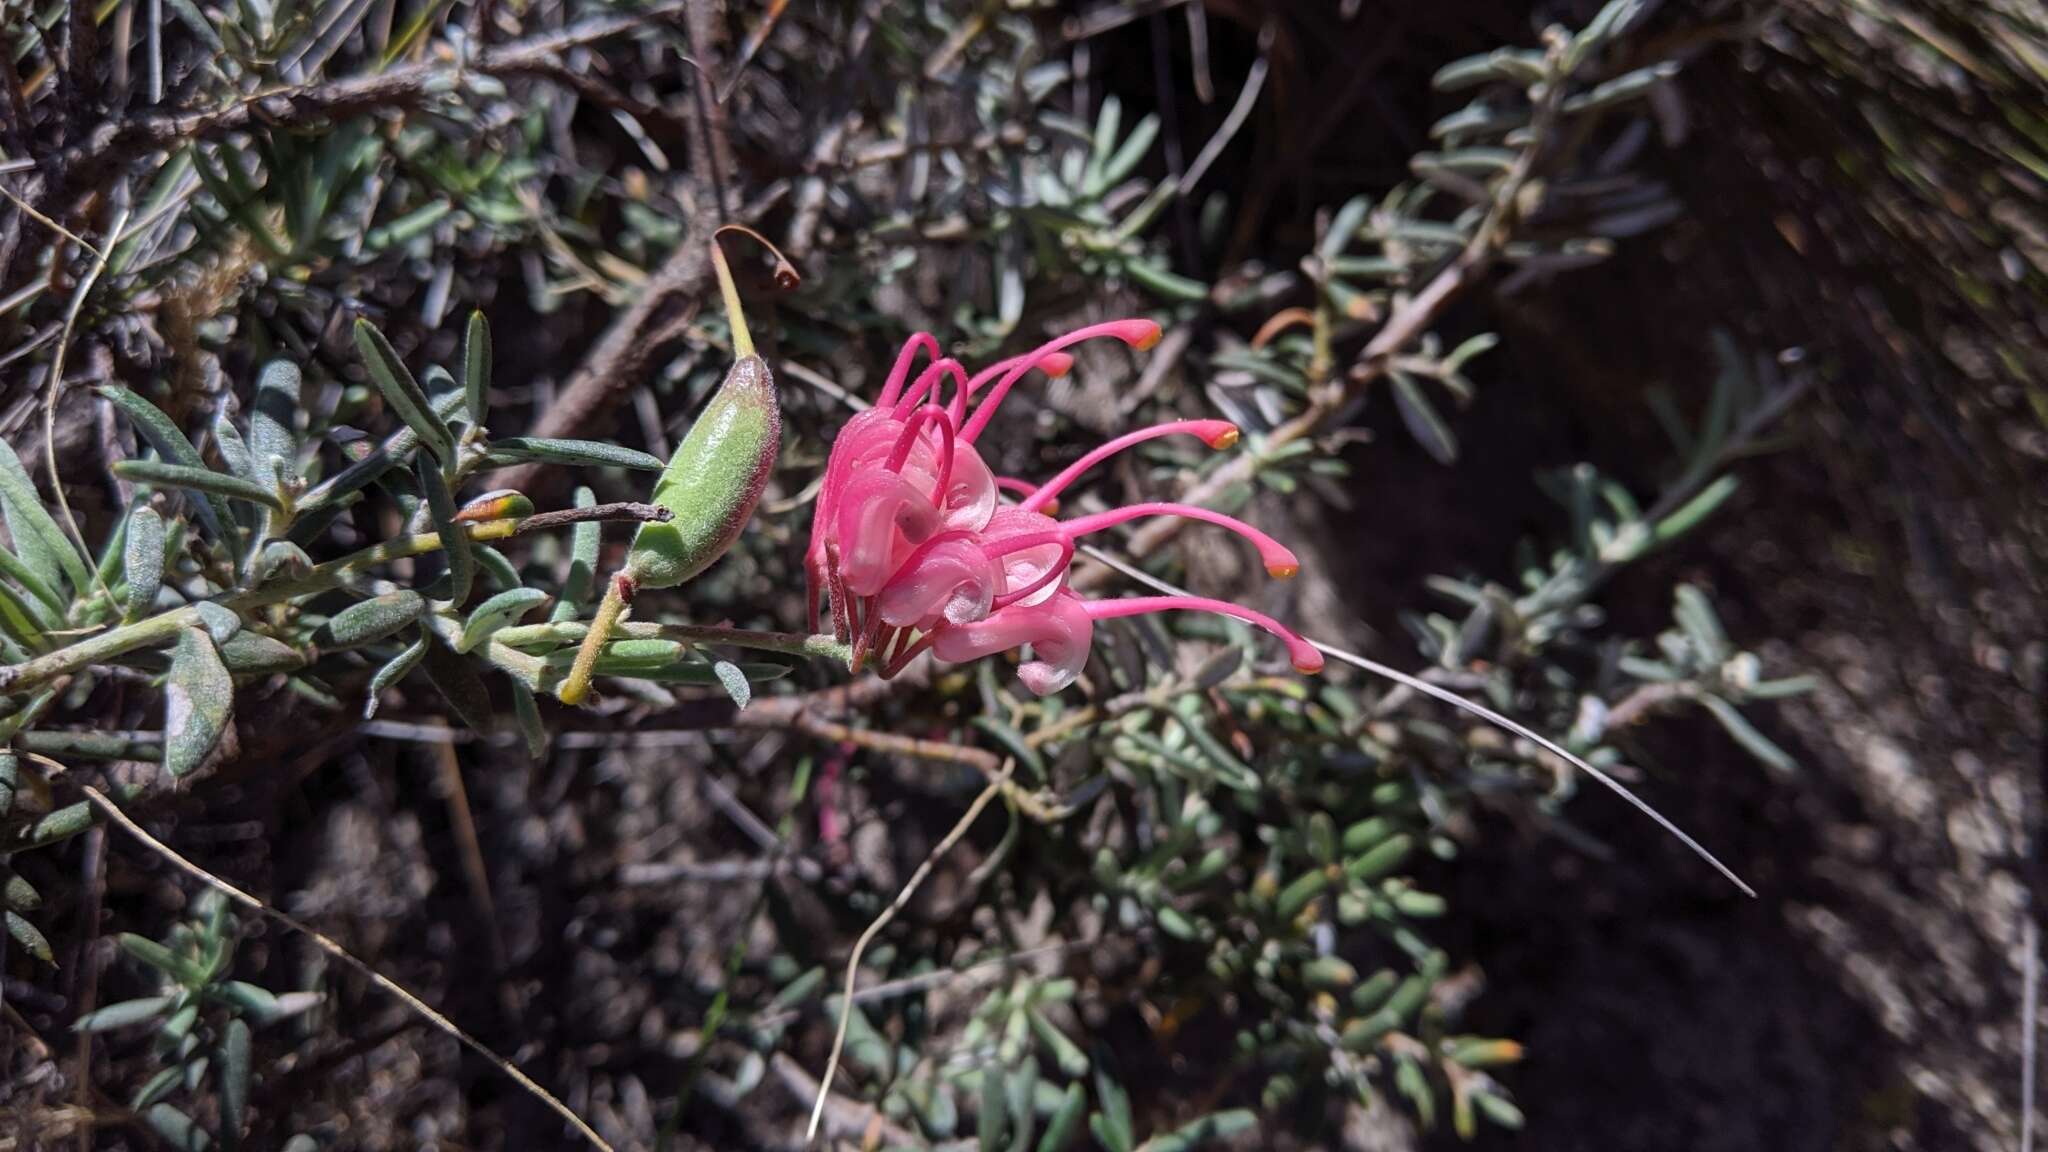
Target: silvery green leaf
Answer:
[[1696, 509], [583, 542], [1625, 87], [62, 824], [40, 544], [734, 681], [234, 451], [1465, 351], [204, 480], [401, 391], [142, 560], [160, 433], [18, 895], [281, 556], [234, 1082], [18, 619], [530, 726], [273, 433], [1127, 155], [371, 620], [391, 673], [198, 696], [476, 367], [1066, 1121], [43, 597], [1754, 742], [29, 937], [219, 620], [250, 653], [995, 1111], [1422, 419], [395, 450], [498, 612], [1344, 227], [176, 1129], [503, 574], [156, 1087], [1112, 1125], [125, 1014], [594, 453], [1696, 617], [454, 538]]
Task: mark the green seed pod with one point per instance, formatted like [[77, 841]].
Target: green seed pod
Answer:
[[716, 477]]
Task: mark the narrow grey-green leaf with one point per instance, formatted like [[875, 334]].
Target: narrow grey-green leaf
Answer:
[[391, 673], [18, 620], [125, 1014], [594, 453], [995, 1111], [156, 1087], [177, 1129], [219, 620], [1754, 742], [1066, 1121], [273, 426], [457, 680], [401, 391], [198, 696], [29, 937], [454, 540], [41, 593], [583, 543], [530, 725], [37, 539], [476, 367], [250, 653], [234, 1082], [499, 611], [359, 475], [372, 620], [734, 681], [18, 895], [160, 433], [234, 451], [203, 480], [142, 560], [1422, 420]]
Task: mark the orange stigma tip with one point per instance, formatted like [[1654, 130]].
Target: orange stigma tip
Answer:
[[1308, 669], [1284, 572], [1050, 507], [1056, 365], [1224, 439], [1148, 338]]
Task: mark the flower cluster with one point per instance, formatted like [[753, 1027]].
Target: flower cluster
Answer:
[[916, 550]]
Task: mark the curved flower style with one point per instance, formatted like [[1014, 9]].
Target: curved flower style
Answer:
[[914, 551]]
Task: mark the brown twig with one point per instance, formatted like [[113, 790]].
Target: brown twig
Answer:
[[621, 358], [116, 141]]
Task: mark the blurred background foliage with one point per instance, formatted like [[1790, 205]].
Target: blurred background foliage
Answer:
[[1668, 377]]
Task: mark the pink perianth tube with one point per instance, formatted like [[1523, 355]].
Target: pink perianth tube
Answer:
[[1279, 560], [1300, 651], [893, 387], [1139, 334], [1218, 434]]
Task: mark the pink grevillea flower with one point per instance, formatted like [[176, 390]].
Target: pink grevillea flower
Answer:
[[914, 550]]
